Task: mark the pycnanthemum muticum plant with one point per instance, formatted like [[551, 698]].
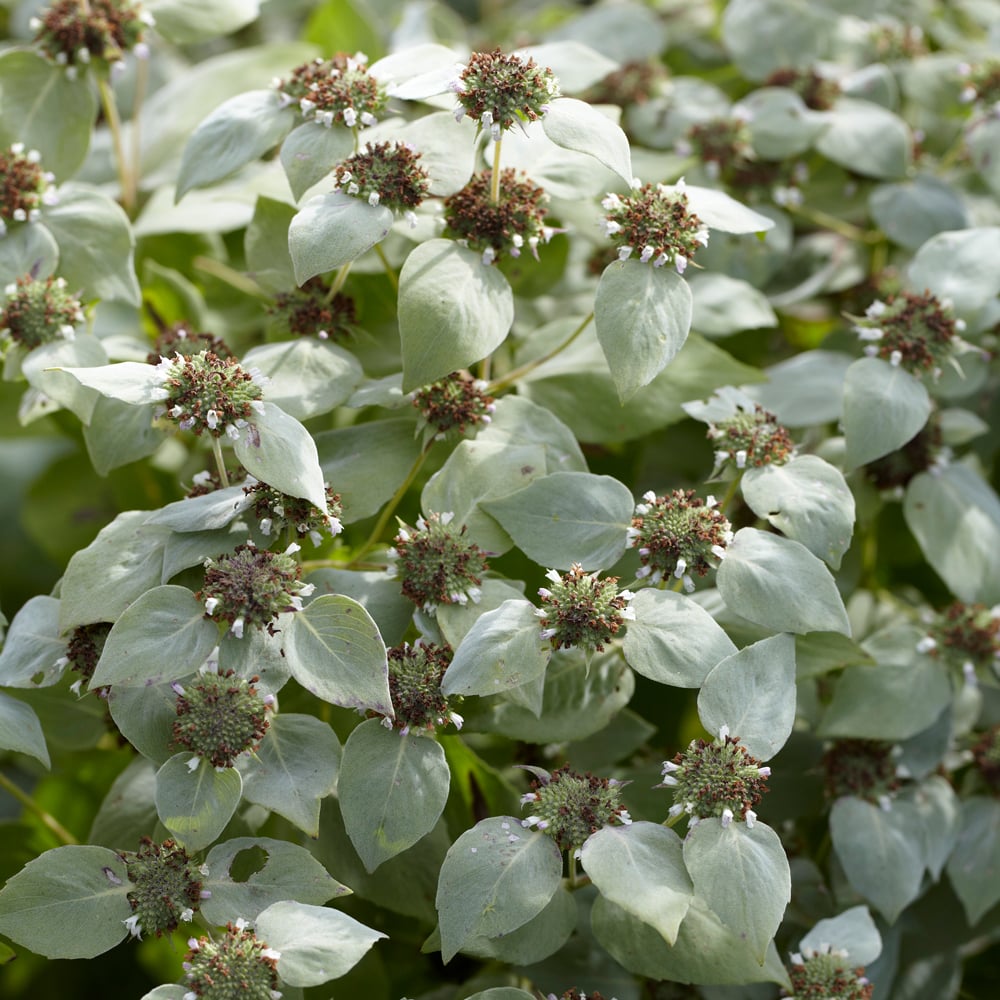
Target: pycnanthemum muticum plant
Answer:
[[863, 768], [167, 889], [234, 966], [39, 312], [277, 512], [309, 311], [24, 186], [388, 174], [97, 33], [415, 673], [180, 338], [825, 974], [456, 403], [582, 610], [967, 638], [748, 439], [338, 91]]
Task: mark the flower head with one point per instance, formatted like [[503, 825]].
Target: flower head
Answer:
[[986, 756], [180, 338], [39, 312], [654, 223], [415, 674], [750, 438], [436, 564], [386, 174], [338, 90], [967, 638], [234, 966], [24, 186], [579, 609], [496, 91], [723, 145], [251, 587], [306, 312], [826, 973], [454, 403], [719, 779], [570, 807], [507, 225], [862, 768], [166, 889], [817, 91], [86, 643], [982, 84], [632, 83], [219, 717], [276, 512], [678, 535]]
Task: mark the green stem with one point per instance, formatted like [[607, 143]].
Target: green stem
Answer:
[[572, 870], [338, 281], [835, 225], [141, 82], [511, 377], [495, 177], [231, 277], [308, 565], [730, 492], [125, 177], [219, 463], [29, 803], [390, 273]]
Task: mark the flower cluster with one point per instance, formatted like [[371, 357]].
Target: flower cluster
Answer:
[[39, 312], [237, 966], [307, 312], [436, 564], [86, 643], [723, 145], [455, 402], [678, 535], [582, 610], [415, 674], [204, 392], [824, 972], [817, 91], [967, 637], [570, 807], [633, 83], [982, 83], [276, 512], [97, 33], [916, 332], [720, 779], [335, 90], [252, 586], [166, 889], [865, 769], [750, 438], [385, 174], [24, 186], [220, 716], [655, 222], [986, 756], [497, 91], [179, 338], [507, 225]]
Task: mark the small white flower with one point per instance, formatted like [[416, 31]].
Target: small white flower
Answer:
[[926, 644], [727, 817], [237, 627], [192, 764], [751, 818], [350, 117]]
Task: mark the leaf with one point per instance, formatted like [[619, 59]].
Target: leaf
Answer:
[[781, 124], [762, 36], [643, 315], [852, 931], [392, 790], [719, 211], [127, 809], [283, 454], [335, 652], [162, 636], [911, 212], [884, 407], [132, 382], [334, 229], [145, 716], [579, 126], [69, 902], [286, 871], [806, 389], [453, 310], [311, 151], [975, 863], [494, 879], [183, 21], [566, 518], [724, 305], [316, 944], [265, 245], [673, 640], [195, 806], [208, 512], [118, 433], [27, 249], [959, 266], [236, 133], [641, 868], [20, 729], [33, 646], [743, 875], [503, 650], [779, 584], [867, 139], [981, 139], [46, 110], [296, 768], [753, 693], [807, 499]]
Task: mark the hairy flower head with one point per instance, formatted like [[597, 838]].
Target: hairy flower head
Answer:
[[415, 674], [307, 312], [39, 312], [582, 610], [386, 174], [865, 769], [235, 965], [824, 973], [24, 186], [338, 91], [455, 403], [277, 512], [166, 887]]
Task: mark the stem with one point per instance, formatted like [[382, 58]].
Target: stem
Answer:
[[730, 492], [232, 277], [511, 377], [390, 273], [30, 804], [831, 222], [219, 463], [125, 178], [135, 152], [338, 281], [572, 870], [495, 177]]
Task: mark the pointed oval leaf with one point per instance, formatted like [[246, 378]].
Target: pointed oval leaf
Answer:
[[780, 584], [311, 151], [333, 229], [852, 931], [867, 139], [579, 126], [720, 211], [27, 249], [335, 652], [974, 865], [195, 806], [20, 729], [454, 310], [912, 212], [495, 878], [33, 647], [392, 790], [958, 265], [184, 21], [132, 382], [643, 315]]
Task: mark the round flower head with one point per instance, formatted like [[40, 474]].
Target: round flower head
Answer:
[[204, 392], [338, 90], [415, 674], [166, 887], [180, 339], [97, 33], [570, 807], [967, 638], [719, 779], [39, 312], [678, 535], [817, 91], [862, 768], [252, 586], [219, 717], [496, 91], [633, 83], [235, 966], [723, 145], [454, 403], [986, 756], [436, 564], [750, 438], [86, 643], [306, 312], [826, 973], [655, 223], [386, 174], [504, 226], [581, 610], [277, 512], [24, 186], [982, 84], [916, 332]]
